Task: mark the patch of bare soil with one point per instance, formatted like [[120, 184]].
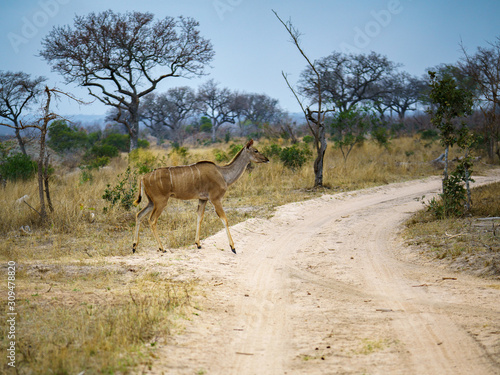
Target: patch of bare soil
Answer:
[[328, 287]]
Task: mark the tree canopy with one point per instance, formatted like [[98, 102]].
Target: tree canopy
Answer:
[[122, 57]]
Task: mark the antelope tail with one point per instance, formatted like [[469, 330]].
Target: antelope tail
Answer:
[[141, 192]]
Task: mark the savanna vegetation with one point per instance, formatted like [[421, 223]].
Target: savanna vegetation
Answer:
[[81, 306], [72, 282]]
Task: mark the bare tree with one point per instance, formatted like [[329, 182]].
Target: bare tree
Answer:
[[17, 92], [170, 110], [122, 57], [217, 104], [151, 116], [315, 118], [400, 93], [484, 68], [347, 79], [41, 124], [255, 110]]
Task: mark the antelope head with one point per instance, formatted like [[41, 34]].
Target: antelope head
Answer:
[[254, 154]]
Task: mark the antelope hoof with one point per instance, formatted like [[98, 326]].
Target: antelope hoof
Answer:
[[133, 248], [233, 250], [198, 246]]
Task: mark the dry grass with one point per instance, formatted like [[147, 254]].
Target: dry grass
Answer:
[[470, 243], [89, 323], [71, 294]]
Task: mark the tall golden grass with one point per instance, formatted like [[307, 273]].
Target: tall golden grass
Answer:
[[80, 226], [56, 336]]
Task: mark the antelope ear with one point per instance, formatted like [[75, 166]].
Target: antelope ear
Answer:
[[249, 143]]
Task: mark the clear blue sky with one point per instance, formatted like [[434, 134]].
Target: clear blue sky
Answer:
[[252, 47]]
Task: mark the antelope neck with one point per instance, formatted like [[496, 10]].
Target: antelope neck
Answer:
[[233, 171]]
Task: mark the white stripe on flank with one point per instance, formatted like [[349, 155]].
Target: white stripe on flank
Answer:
[[192, 173]]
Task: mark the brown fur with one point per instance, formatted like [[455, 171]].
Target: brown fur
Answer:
[[203, 181]]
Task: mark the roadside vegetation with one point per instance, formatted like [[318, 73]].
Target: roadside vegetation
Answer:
[[69, 270], [470, 243], [67, 217]]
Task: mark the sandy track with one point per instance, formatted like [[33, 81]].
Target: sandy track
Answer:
[[326, 287]]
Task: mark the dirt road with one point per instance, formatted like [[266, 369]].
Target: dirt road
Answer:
[[326, 287]]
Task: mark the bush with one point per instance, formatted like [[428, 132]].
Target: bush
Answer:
[[234, 149], [17, 167], [381, 136], [294, 157], [429, 135], [145, 161], [99, 151], [63, 137], [179, 150], [452, 200], [308, 139], [272, 151], [142, 143], [123, 193], [120, 141], [220, 156]]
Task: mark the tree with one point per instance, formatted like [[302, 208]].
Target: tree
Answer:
[[484, 69], [171, 110], [399, 93], [17, 92], [315, 118], [217, 104], [42, 124], [256, 110], [347, 79], [63, 138], [452, 103], [121, 58], [350, 128]]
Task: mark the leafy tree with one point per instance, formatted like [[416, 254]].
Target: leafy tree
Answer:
[[350, 128], [121, 58], [17, 166], [63, 137], [451, 103], [17, 92]]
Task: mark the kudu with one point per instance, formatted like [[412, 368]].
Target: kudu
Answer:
[[203, 181]]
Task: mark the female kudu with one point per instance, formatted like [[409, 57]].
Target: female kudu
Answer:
[[203, 181]]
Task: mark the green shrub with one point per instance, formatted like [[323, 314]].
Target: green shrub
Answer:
[[381, 136], [179, 150], [17, 167], [272, 151], [234, 149], [63, 137], [220, 156], [119, 141], [145, 161], [99, 151], [294, 157], [451, 202], [142, 143], [429, 134], [308, 139], [124, 192]]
